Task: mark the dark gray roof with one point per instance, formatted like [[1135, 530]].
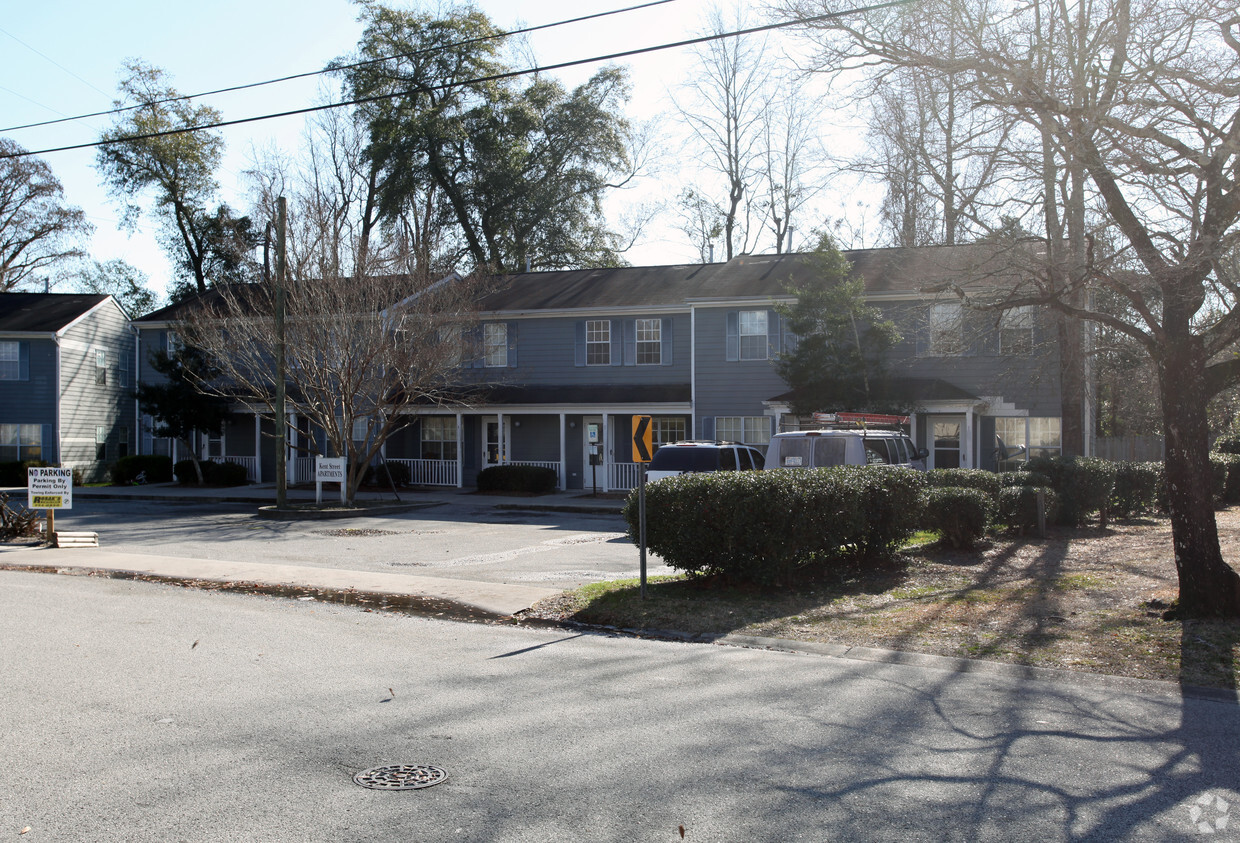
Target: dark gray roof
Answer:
[[748, 276], [43, 313], [579, 394], [914, 389]]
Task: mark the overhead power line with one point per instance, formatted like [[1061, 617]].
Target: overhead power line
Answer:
[[335, 68], [491, 78]]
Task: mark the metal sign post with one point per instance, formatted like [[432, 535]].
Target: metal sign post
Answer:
[[642, 452]]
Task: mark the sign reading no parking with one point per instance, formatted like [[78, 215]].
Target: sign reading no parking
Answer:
[[49, 488]]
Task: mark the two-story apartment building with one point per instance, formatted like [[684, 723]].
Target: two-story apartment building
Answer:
[[67, 363], [563, 360]]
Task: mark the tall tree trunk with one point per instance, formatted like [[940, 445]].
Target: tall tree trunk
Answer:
[[1208, 585]]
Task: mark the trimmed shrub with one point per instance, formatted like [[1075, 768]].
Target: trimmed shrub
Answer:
[[213, 473], [964, 478], [961, 515], [378, 474], [1082, 486], [1023, 478], [761, 527], [14, 473], [1136, 488], [1018, 506], [1230, 465], [158, 469], [517, 478]]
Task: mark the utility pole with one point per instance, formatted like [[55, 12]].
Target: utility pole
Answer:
[[281, 419]]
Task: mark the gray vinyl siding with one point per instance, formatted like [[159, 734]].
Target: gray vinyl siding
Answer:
[[537, 439], [730, 387], [32, 400], [85, 404], [151, 341], [543, 351]]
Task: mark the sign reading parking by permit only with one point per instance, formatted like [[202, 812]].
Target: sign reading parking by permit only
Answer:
[[49, 488]]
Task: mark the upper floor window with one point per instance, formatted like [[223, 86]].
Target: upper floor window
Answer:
[[10, 360], [752, 327], [495, 344], [649, 342], [598, 342], [1016, 330], [946, 328], [101, 366]]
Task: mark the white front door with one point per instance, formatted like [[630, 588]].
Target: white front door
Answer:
[[592, 443], [495, 447], [946, 436]]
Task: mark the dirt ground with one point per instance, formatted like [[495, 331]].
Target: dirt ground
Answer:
[[1090, 599]]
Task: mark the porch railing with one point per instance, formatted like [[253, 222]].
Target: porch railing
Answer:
[[250, 463], [430, 472], [624, 475]]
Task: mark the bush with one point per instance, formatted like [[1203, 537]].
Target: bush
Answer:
[[964, 478], [1018, 506], [158, 469], [1082, 486], [517, 478], [1229, 465], [1227, 444], [1023, 478], [1136, 488], [378, 474], [213, 473], [762, 526], [14, 473], [961, 515]]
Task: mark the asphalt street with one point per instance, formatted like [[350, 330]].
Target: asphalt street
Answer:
[[458, 540], [143, 712]]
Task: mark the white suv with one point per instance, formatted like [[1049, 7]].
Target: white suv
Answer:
[[688, 457], [823, 448]]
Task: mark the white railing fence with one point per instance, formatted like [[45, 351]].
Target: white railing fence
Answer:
[[250, 463], [624, 475], [1129, 448], [430, 472]]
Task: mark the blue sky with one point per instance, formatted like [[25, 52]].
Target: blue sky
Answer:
[[62, 58]]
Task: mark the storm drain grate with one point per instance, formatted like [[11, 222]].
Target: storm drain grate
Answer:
[[400, 777]]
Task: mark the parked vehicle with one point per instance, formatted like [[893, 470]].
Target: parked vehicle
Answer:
[[824, 448], [687, 457]]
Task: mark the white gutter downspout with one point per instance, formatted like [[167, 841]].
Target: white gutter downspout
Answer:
[[693, 372], [60, 454]]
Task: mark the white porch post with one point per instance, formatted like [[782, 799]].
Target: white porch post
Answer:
[[501, 443], [606, 443], [258, 449], [290, 453], [912, 428], [460, 452], [563, 455], [966, 442]]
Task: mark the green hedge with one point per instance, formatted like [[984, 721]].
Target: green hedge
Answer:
[[1018, 506], [158, 469], [1082, 486], [517, 478], [1227, 444], [961, 515], [213, 473], [14, 473], [1023, 478], [763, 526], [964, 478], [1228, 491], [1136, 488], [378, 474]]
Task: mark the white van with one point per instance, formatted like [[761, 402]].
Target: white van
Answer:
[[824, 448]]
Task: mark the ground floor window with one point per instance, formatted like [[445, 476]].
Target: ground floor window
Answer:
[[752, 430], [21, 442], [667, 429], [439, 438], [1023, 438], [122, 445], [101, 442]]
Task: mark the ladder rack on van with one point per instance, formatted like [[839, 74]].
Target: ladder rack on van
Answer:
[[860, 421]]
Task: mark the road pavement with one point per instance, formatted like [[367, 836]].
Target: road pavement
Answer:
[[142, 712]]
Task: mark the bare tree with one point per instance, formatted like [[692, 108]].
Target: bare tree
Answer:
[[1133, 112], [791, 163], [38, 231], [726, 112]]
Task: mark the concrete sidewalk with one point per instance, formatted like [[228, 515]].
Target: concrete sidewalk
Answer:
[[474, 598]]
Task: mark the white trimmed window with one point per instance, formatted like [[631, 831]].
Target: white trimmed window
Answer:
[[751, 325], [1016, 331], [649, 342], [495, 345], [10, 360], [668, 429], [946, 328], [1040, 436], [122, 442], [101, 366], [101, 442], [21, 442], [122, 373], [752, 430], [439, 438], [598, 342]]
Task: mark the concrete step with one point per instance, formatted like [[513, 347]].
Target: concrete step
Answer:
[[67, 539]]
